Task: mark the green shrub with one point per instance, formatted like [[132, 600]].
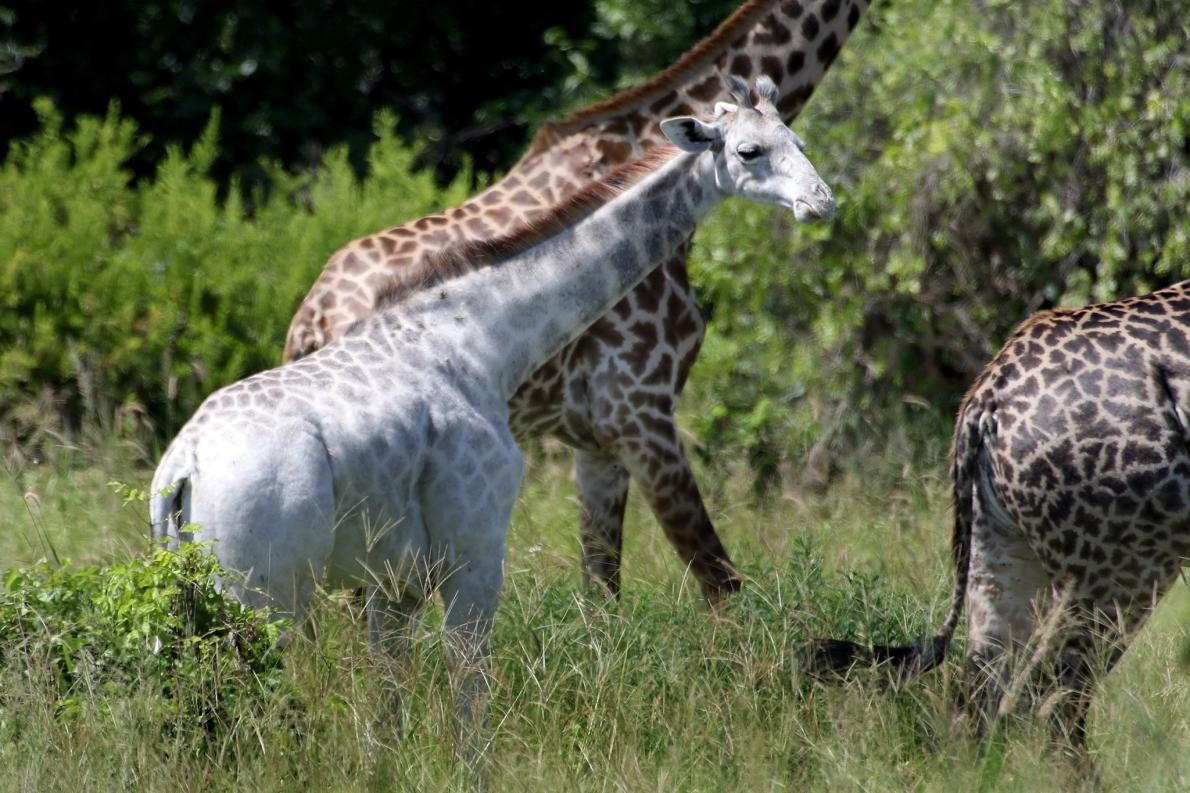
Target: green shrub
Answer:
[[157, 621], [989, 162], [138, 300]]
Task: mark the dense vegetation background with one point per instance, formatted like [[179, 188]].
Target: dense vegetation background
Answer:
[[177, 173]]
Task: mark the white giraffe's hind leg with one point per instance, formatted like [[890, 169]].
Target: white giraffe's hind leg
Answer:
[[392, 619], [267, 506]]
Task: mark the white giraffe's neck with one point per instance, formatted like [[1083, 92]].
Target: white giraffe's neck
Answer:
[[513, 316]]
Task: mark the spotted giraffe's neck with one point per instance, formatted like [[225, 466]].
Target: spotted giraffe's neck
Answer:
[[513, 316], [790, 41]]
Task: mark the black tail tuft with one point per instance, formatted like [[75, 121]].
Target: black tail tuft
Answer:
[[835, 658]]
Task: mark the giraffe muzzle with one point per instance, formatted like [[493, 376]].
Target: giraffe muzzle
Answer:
[[824, 207], [821, 206]]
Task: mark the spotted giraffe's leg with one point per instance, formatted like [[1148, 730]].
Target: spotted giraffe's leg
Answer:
[[1090, 648], [665, 478], [1099, 636], [1005, 584], [603, 493], [642, 353]]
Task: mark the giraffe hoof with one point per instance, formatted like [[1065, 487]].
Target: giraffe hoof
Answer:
[[720, 592]]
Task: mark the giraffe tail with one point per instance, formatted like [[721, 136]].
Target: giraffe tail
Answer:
[[835, 657], [169, 498]]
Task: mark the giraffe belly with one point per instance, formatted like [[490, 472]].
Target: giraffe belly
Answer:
[[553, 401], [378, 546]]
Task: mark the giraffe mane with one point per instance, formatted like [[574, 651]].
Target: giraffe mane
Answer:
[[461, 258], [691, 61]]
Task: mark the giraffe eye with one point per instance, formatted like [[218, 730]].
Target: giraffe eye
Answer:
[[748, 151]]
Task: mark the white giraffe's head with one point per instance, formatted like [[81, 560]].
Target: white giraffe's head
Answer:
[[756, 155]]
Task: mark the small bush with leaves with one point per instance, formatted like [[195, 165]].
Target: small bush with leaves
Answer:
[[158, 620]]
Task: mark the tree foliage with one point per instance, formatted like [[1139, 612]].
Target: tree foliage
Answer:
[[991, 159], [138, 300], [293, 79]]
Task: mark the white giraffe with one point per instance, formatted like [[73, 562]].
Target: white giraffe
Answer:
[[389, 450]]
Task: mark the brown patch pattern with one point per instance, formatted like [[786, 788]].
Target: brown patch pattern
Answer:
[[1071, 471]]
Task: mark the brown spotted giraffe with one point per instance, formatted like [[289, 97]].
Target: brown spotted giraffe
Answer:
[[1071, 472], [610, 394]]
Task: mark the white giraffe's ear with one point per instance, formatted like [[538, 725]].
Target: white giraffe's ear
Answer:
[[690, 134], [723, 108]]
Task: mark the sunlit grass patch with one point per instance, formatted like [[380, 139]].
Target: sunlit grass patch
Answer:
[[653, 693]]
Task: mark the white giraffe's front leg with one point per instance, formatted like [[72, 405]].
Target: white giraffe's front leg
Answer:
[[468, 503], [470, 595]]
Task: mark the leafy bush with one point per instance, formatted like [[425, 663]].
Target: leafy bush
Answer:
[[989, 163], [158, 621], [139, 300]]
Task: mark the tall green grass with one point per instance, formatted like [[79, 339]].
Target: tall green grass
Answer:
[[655, 693]]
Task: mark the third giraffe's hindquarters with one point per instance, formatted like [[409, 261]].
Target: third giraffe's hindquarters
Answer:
[[1070, 468]]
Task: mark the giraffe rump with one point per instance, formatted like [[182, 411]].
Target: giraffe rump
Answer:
[[1071, 474], [439, 267]]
